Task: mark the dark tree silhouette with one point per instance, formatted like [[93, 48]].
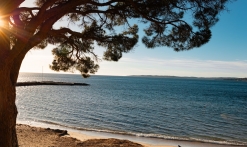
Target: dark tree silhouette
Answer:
[[25, 28]]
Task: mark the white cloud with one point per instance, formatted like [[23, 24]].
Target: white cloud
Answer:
[[178, 67]]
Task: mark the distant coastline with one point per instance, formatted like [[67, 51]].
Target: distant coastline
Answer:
[[221, 78], [237, 79]]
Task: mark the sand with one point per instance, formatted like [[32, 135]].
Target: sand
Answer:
[[45, 137], [29, 136]]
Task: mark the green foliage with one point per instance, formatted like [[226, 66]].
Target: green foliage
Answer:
[[100, 21]]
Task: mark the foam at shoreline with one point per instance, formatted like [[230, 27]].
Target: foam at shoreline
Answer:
[[150, 139]]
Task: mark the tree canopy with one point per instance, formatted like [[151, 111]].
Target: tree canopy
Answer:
[[99, 20]]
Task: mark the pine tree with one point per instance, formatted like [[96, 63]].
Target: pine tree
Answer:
[[25, 28]]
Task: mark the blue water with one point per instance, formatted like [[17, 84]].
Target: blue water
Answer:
[[209, 110]]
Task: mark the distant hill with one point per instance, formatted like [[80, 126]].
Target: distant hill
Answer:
[[236, 79], [164, 76]]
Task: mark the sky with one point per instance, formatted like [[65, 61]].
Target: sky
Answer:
[[224, 56]]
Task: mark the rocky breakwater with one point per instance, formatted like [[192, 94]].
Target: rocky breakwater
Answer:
[[36, 83]]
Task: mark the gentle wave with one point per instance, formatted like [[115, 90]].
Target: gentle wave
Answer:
[[158, 136]]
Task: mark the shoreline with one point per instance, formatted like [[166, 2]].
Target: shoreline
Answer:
[[45, 137], [145, 141]]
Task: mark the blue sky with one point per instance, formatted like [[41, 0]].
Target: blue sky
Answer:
[[224, 56]]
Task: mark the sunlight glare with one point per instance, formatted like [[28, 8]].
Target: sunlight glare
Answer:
[[1, 22]]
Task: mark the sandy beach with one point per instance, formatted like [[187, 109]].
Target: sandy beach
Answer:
[[29, 136], [36, 136]]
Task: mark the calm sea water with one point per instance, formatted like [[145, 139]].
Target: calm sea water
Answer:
[[171, 108]]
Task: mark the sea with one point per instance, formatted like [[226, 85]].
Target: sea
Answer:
[[211, 110]]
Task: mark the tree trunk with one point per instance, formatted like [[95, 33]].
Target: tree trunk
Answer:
[[9, 70], [8, 110]]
